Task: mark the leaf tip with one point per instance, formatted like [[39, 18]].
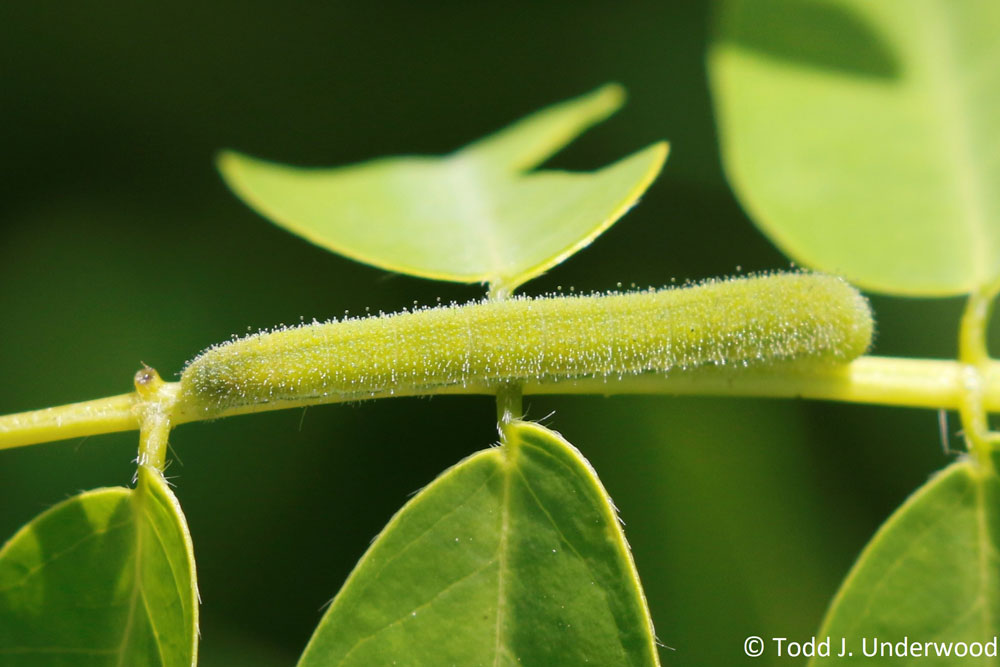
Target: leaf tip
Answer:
[[227, 161], [609, 98], [660, 150]]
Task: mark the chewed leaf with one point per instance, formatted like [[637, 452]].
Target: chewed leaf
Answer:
[[513, 556], [862, 136], [105, 578], [930, 577], [532, 140], [472, 216]]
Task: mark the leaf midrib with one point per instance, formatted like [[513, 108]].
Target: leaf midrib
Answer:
[[508, 474], [987, 574], [473, 201], [137, 512]]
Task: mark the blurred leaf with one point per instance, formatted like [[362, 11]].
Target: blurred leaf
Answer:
[[930, 574], [513, 556], [862, 136], [103, 578], [472, 216]]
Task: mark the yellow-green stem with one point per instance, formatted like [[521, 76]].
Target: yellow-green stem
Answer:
[[157, 400], [919, 383], [509, 403], [975, 359], [76, 420]]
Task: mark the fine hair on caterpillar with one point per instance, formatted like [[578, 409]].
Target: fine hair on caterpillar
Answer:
[[748, 321]]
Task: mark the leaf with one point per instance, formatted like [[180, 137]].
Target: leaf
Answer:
[[862, 137], [472, 216], [930, 574], [105, 578], [513, 556]]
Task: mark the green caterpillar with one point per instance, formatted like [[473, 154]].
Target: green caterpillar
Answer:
[[750, 321]]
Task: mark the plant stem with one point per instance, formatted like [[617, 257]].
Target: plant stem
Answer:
[[509, 402], [918, 383], [975, 358], [76, 420], [158, 399]]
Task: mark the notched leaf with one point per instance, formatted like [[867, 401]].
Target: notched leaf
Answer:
[[476, 215]]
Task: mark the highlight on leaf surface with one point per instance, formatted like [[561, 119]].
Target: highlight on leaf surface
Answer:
[[105, 578], [752, 321], [930, 575], [862, 136], [476, 215], [513, 556]]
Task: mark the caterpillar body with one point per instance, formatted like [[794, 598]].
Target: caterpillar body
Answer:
[[749, 321]]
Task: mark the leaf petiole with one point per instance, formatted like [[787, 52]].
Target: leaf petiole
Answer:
[[919, 383]]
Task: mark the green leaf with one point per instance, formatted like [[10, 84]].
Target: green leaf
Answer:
[[472, 216], [862, 137], [103, 578], [513, 556], [930, 574]]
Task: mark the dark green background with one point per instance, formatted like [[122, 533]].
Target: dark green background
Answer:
[[120, 245]]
